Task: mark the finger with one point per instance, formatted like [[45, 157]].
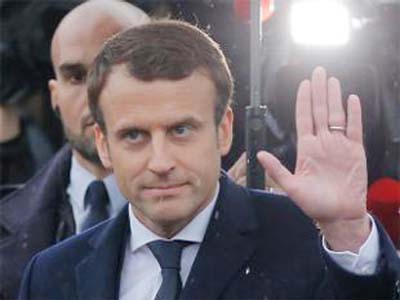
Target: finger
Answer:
[[275, 169], [319, 99], [304, 121], [241, 164], [241, 181], [269, 183], [239, 168], [335, 105], [354, 119]]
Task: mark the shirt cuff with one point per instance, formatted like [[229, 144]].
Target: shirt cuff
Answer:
[[363, 263]]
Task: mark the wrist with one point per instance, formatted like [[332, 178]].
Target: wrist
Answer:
[[346, 235]]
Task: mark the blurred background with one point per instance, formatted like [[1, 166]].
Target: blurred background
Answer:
[[358, 41]]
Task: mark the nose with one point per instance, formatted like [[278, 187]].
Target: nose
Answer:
[[82, 102], [161, 161]]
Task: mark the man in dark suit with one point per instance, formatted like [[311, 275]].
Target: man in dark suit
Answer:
[[160, 95], [53, 200]]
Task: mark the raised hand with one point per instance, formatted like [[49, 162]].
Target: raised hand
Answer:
[[330, 180]]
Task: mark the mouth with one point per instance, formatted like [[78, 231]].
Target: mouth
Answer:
[[164, 190]]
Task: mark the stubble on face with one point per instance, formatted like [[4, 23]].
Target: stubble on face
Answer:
[[84, 142]]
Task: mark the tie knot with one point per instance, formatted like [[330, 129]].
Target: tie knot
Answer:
[[168, 253], [96, 194]]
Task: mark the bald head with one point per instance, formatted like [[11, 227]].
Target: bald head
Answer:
[[102, 18], [76, 42]]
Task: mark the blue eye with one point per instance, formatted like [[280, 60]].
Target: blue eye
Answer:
[[181, 130], [134, 135]]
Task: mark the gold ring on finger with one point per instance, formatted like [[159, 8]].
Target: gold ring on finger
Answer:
[[337, 128]]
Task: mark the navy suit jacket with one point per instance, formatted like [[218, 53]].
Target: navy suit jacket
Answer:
[[256, 246], [32, 219]]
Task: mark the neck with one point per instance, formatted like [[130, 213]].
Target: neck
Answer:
[[10, 126], [96, 169]]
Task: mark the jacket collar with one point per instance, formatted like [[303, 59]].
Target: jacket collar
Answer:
[[98, 274], [227, 244]]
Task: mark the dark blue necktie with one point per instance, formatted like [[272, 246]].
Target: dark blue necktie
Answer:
[[96, 199], [168, 255]]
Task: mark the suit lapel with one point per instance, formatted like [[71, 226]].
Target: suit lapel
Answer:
[[97, 276], [226, 247]]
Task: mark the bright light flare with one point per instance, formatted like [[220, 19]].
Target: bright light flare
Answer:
[[320, 23]]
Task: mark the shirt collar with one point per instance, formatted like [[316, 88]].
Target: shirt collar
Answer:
[[193, 232], [80, 178]]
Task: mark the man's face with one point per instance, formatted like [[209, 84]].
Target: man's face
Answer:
[[75, 51], [163, 145]]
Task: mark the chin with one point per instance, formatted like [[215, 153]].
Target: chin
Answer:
[[171, 225], [171, 214], [170, 211]]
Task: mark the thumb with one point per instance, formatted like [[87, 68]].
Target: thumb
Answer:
[[275, 169]]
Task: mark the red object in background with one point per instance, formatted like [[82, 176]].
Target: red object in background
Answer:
[[242, 9], [383, 201]]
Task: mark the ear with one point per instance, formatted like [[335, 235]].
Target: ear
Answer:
[[53, 88], [102, 147], [225, 132]]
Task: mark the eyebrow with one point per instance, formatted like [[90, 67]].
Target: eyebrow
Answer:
[[72, 68], [186, 120]]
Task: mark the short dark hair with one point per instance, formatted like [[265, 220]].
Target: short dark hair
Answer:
[[161, 50]]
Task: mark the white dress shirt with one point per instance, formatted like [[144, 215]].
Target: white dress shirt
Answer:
[[80, 178], [141, 274], [363, 263]]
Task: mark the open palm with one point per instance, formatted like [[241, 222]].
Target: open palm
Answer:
[[330, 180]]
